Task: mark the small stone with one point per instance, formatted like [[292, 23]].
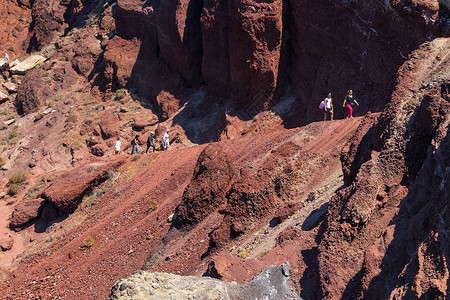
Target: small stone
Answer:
[[123, 286], [285, 269], [10, 87], [9, 122], [6, 243], [37, 117], [3, 96], [155, 285]]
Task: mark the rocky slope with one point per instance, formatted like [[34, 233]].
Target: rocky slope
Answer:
[[358, 207], [391, 220]]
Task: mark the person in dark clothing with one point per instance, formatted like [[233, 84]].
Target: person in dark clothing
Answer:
[[134, 145], [349, 103], [151, 142]]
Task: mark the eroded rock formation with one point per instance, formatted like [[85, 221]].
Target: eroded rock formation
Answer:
[[387, 218]]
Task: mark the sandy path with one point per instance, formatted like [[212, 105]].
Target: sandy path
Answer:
[[8, 257]]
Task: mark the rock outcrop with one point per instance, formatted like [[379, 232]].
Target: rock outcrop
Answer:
[[26, 211], [275, 282], [28, 64], [32, 92], [67, 192], [386, 220], [210, 182]]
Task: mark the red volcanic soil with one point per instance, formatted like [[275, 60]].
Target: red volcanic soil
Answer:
[[359, 207], [129, 226]]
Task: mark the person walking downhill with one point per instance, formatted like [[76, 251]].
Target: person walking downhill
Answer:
[[166, 139], [134, 145], [117, 146], [328, 107], [151, 142], [349, 103]]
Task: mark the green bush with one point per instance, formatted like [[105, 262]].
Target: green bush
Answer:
[[153, 205], [120, 93], [243, 254], [13, 189], [88, 242], [18, 178], [12, 134], [72, 119]]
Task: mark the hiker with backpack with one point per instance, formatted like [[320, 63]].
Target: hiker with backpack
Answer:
[[328, 107], [349, 103], [134, 145], [151, 142]]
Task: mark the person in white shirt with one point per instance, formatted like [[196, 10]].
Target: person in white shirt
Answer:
[[166, 139], [117, 146], [328, 107]]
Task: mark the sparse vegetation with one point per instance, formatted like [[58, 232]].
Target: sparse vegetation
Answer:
[[57, 97], [18, 178], [120, 93], [15, 183], [10, 48], [62, 58], [89, 201], [13, 189], [3, 112], [76, 145], [88, 242], [2, 161], [35, 190], [51, 103], [13, 133], [45, 74], [243, 254], [153, 205], [72, 119]]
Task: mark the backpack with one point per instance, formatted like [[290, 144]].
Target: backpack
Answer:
[[322, 105]]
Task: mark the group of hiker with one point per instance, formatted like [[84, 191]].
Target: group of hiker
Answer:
[[151, 143], [349, 104]]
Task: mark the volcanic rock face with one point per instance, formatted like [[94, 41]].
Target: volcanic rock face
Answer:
[[356, 45], [179, 37], [243, 46], [48, 18], [255, 45], [387, 248], [216, 56]]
